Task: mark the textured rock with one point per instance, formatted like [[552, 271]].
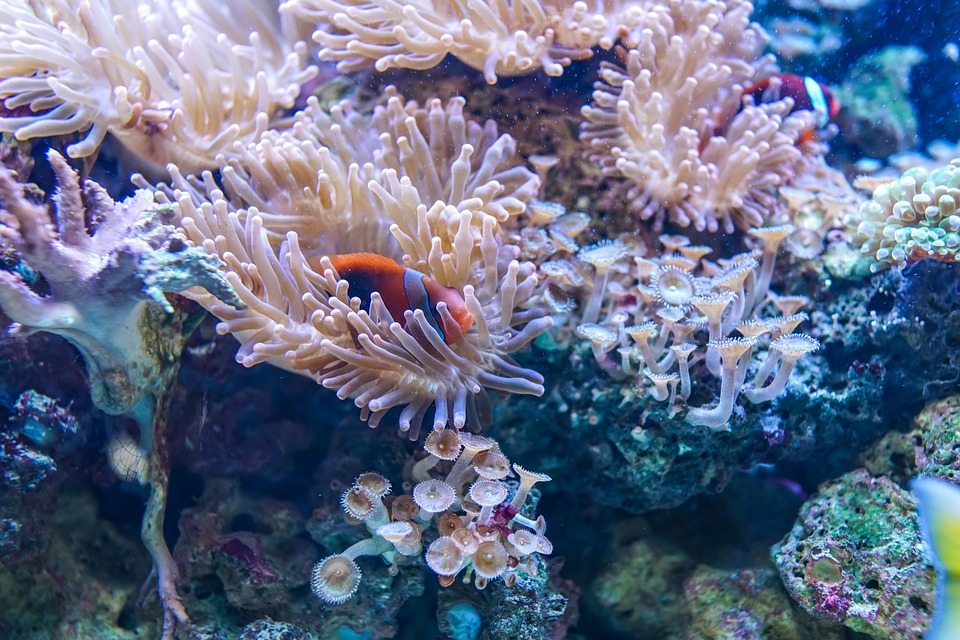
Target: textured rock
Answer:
[[855, 556], [750, 604], [642, 592]]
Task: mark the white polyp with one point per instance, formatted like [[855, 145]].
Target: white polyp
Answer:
[[776, 387]]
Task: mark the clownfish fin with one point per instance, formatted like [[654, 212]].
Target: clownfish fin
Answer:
[[939, 509], [818, 101], [364, 262], [414, 287]]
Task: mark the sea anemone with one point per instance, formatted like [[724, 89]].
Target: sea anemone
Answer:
[[670, 119], [499, 39], [444, 557], [173, 81], [490, 559], [434, 496], [673, 286], [424, 188]]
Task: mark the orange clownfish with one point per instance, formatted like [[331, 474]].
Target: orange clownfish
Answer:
[[402, 289], [807, 94]]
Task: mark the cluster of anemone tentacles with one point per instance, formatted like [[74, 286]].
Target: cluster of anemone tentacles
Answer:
[[448, 206], [426, 189], [911, 218], [475, 517], [672, 118]]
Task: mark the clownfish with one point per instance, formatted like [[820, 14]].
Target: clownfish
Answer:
[[807, 94], [402, 289], [939, 509]]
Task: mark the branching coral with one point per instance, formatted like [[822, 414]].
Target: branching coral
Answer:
[[173, 81], [670, 119], [103, 290], [100, 286], [500, 39], [481, 528], [422, 187], [911, 218]]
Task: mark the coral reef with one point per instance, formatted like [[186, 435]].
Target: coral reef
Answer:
[[258, 569], [650, 371], [432, 200], [367, 195], [104, 291], [876, 335], [657, 581], [680, 296], [643, 591], [102, 285], [878, 115], [749, 604], [36, 440], [931, 448], [91, 572], [536, 606], [494, 532]]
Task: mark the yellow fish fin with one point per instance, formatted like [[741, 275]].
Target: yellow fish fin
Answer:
[[939, 507]]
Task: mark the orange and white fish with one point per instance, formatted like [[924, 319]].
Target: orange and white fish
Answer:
[[939, 509], [402, 289], [807, 94]]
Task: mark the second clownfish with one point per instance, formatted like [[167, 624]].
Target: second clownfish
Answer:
[[402, 289], [807, 94]]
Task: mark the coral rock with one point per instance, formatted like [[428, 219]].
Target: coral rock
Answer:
[[855, 556]]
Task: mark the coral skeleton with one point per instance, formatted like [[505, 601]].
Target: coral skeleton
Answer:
[[421, 186], [480, 528], [671, 120], [173, 81]]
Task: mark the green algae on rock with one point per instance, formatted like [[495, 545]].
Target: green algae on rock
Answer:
[[643, 592], [855, 556], [748, 604], [878, 115], [84, 584]]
